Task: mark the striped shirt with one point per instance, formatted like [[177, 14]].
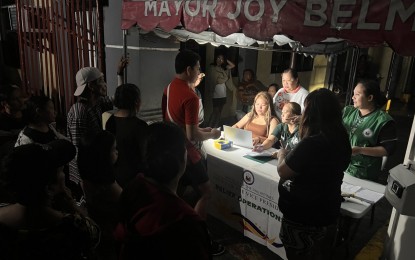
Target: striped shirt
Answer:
[[83, 117]]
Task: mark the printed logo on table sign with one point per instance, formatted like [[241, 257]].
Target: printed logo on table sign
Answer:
[[248, 177], [367, 133]]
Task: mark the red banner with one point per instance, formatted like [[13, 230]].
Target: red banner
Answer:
[[363, 23]]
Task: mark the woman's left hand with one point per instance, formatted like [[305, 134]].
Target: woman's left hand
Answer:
[[256, 140], [282, 153]]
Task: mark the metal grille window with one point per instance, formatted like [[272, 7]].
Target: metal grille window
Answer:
[[56, 39]]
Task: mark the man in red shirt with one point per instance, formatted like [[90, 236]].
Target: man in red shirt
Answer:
[[180, 105]]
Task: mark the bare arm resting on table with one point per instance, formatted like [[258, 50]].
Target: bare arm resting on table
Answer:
[[268, 143]]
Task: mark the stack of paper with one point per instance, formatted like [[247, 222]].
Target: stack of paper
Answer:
[[358, 192]]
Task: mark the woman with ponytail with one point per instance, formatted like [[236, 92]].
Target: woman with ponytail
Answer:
[[372, 132]]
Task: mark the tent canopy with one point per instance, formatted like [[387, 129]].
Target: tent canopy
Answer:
[[362, 23]]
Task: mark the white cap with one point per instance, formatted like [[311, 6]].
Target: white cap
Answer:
[[85, 75]]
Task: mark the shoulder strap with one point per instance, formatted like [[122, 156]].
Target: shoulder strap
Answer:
[[111, 125], [167, 104]]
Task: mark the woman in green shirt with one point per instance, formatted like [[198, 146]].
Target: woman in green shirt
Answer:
[[286, 132], [372, 132]]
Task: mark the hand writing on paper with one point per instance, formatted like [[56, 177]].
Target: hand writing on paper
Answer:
[[258, 148]]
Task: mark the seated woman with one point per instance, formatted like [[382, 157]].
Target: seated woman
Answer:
[[286, 132], [39, 114], [33, 228], [262, 119], [96, 158]]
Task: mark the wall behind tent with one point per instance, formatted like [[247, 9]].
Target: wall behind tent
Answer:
[[381, 58], [150, 70]]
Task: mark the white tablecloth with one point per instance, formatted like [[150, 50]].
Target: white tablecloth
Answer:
[[245, 195]]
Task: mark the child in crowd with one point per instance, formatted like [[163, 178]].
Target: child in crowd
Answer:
[[154, 220], [130, 133], [262, 119], [35, 227], [272, 89], [97, 155], [285, 133], [39, 114]]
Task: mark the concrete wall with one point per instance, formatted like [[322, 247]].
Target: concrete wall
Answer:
[[318, 74], [381, 58], [151, 69]]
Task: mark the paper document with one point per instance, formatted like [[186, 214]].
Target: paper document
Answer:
[[349, 188], [257, 154], [265, 153], [353, 191], [369, 195]]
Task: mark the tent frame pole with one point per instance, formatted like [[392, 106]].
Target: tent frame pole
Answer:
[[352, 75], [125, 54]]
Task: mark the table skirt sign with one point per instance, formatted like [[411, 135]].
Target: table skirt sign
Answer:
[[246, 202]]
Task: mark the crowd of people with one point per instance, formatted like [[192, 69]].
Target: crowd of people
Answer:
[[116, 193]]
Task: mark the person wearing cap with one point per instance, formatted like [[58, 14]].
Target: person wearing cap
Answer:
[[35, 227], [86, 114]]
